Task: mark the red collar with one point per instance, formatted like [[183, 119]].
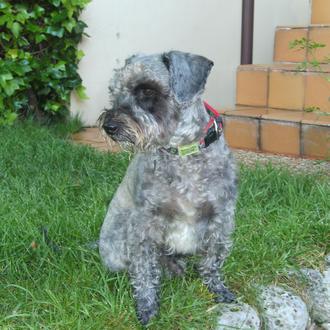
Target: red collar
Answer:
[[213, 131]]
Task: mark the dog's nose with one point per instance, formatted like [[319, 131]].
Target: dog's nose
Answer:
[[110, 128]]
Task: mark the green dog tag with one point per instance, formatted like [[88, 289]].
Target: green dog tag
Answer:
[[188, 149]]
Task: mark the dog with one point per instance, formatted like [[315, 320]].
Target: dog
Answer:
[[179, 193]]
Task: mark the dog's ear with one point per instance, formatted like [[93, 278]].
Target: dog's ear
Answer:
[[188, 73]]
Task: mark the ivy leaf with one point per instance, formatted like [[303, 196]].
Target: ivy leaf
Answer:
[[56, 3], [55, 31], [12, 53], [10, 117], [69, 25], [39, 38], [52, 106], [15, 29], [4, 19], [3, 5], [23, 15], [81, 92], [5, 76], [38, 11], [9, 86], [80, 54]]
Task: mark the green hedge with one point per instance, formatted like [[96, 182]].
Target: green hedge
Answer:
[[39, 57]]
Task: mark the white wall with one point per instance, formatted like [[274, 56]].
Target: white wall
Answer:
[[271, 13], [119, 28]]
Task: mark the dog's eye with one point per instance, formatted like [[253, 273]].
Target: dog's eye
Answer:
[[147, 92]]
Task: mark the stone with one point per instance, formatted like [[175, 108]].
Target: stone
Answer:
[[325, 326], [327, 260], [238, 316], [281, 309], [318, 293]]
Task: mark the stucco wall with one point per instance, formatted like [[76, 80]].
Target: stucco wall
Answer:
[[119, 28]]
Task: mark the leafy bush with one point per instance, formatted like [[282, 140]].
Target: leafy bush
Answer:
[[39, 57]]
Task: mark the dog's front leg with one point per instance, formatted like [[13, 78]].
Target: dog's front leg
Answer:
[[145, 274], [215, 253]]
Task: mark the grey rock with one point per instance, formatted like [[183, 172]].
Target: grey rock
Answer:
[[327, 260], [238, 316], [281, 309], [325, 326], [318, 294]]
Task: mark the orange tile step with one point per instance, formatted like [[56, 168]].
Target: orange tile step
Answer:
[[92, 136], [295, 133], [283, 86], [286, 34], [320, 12]]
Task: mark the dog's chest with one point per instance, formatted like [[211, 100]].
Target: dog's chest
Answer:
[[185, 201], [185, 229]]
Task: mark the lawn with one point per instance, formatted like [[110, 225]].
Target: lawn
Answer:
[[53, 197]]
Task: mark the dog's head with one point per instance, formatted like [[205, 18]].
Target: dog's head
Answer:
[[149, 95]]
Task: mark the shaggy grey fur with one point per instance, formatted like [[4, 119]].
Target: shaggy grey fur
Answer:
[[167, 206]]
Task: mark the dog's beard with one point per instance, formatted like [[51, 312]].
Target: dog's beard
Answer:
[[128, 138], [134, 135]]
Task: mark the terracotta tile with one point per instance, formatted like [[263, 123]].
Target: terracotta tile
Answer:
[[322, 35], [323, 120], [92, 137], [316, 141], [286, 90], [284, 67], [321, 12], [90, 134], [280, 137], [283, 37], [253, 67], [322, 68], [317, 92], [284, 115], [315, 118], [247, 112], [252, 87], [242, 133]]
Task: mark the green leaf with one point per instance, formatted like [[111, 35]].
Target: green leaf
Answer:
[[56, 3], [5, 19], [16, 29], [38, 11], [81, 92], [9, 86], [4, 36], [22, 16], [80, 54], [3, 5], [10, 117], [69, 25], [5, 76], [58, 17], [39, 38], [12, 53], [53, 106], [55, 31]]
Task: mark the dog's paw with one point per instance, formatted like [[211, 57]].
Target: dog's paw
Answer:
[[145, 315], [225, 296]]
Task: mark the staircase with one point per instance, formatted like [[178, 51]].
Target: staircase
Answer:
[[280, 109]]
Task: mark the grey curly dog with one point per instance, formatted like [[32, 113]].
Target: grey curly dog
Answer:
[[178, 196]]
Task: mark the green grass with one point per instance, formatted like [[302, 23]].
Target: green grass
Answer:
[[283, 221]]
